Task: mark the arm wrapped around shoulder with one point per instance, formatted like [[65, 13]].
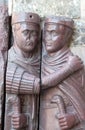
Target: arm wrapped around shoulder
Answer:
[[73, 64]]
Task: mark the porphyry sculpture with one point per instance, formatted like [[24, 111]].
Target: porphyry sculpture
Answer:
[[62, 104], [22, 77]]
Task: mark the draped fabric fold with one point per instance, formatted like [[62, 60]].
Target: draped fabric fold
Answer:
[[73, 86]]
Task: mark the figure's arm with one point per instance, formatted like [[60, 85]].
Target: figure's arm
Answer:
[[74, 63], [21, 83]]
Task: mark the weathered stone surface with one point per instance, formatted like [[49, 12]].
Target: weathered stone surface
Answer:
[[80, 51], [3, 1], [79, 32], [83, 9], [51, 7]]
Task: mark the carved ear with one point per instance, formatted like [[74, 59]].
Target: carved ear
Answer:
[[69, 34], [15, 28]]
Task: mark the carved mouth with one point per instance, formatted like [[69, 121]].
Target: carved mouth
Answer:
[[48, 44]]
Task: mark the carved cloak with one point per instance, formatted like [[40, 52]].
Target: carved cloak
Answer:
[[73, 86]]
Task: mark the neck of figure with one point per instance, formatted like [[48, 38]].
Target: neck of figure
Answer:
[[22, 53]]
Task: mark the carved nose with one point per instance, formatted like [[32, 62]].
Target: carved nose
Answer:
[[49, 37], [28, 37]]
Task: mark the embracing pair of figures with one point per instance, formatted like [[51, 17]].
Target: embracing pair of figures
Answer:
[[62, 96]]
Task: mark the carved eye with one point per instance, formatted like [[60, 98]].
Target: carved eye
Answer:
[[47, 33], [25, 32], [54, 33]]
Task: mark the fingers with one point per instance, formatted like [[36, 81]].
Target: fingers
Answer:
[[63, 122], [66, 121], [75, 63], [19, 120], [64, 128], [16, 121], [75, 58], [78, 59]]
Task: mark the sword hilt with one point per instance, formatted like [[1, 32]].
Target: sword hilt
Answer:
[[60, 102]]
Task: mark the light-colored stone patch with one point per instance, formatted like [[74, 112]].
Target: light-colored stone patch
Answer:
[[80, 51], [79, 32], [49, 7], [83, 9], [3, 1]]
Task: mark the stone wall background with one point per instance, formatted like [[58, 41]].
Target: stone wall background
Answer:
[[3, 1], [49, 7], [71, 8]]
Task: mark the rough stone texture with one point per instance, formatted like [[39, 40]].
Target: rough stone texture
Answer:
[[3, 1], [79, 32], [83, 9], [80, 51], [49, 7]]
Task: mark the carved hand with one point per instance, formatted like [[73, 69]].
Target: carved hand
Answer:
[[74, 63], [19, 121], [66, 121]]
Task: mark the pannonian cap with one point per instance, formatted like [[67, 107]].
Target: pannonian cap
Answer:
[[25, 17], [60, 20]]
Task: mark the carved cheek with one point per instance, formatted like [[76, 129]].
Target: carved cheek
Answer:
[[48, 37], [33, 38], [36, 39], [55, 38], [23, 37]]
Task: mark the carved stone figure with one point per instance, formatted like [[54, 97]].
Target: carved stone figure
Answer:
[[62, 104], [22, 77]]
